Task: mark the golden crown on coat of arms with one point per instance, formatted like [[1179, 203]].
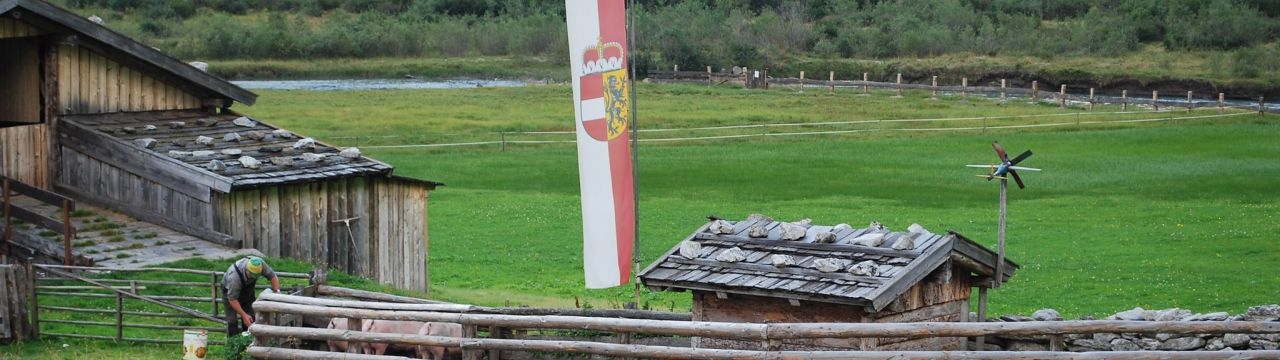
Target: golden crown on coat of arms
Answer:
[[602, 57]]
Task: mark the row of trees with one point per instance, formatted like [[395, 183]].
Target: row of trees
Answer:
[[694, 32]]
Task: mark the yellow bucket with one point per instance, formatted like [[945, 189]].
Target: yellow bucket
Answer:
[[194, 344]]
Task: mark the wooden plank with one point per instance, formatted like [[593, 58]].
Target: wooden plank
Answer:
[[301, 222], [65, 65], [46, 197], [111, 100], [149, 165], [338, 236], [288, 221], [318, 219], [797, 247], [387, 221], [358, 193], [99, 83], [272, 213]]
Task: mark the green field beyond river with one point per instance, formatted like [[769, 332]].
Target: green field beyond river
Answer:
[[1173, 213]]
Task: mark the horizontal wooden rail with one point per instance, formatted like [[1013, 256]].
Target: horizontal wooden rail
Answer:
[[139, 282], [112, 296], [99, 311], [669, 352], [775, 331], [435, 306], [168, 270], [151, 341], [86, 287], [128, 325]]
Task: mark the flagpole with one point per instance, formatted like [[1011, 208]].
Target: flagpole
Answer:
[[635, 141]]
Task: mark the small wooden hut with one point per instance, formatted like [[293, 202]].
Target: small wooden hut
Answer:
[[759, 270], [108, 121]]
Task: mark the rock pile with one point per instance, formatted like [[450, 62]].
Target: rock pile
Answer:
[[1146, 342]]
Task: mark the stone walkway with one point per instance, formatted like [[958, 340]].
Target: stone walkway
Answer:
[[116, 240]]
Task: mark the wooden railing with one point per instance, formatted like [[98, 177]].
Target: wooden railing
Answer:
[[472, 346], [66, 206]]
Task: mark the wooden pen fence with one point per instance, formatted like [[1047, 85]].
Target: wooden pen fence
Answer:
[[625, 329], [149, 305]]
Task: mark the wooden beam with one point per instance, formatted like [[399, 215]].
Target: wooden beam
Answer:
[[183, 310], [149, 165]]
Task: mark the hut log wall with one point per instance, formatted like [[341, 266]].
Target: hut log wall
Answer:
[[386, 241], [23, 153], [24, 149], [926, 301], [89, 83]]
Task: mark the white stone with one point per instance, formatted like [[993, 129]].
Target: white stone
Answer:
[[282, 133], [720, 227], [824, 237], [179, 154], [1046, 315], [232, 152], [145, 143], [202, 153], [204, 140], [757, 231], [282, 161], [690, 249], [350, 153], [792, 232], [876, 226], [1236, 341], [731, 255], [95, 19], [244, 121], [177, 124], [869, 240], [827, 265], [312, 157], [149, 127], [781, 260], [305, 142], [904, 243], [215, 165], [249, 162], [231, 136], [865, 268], [200, 65], [841, 226]]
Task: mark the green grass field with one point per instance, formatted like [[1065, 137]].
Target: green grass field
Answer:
[[1172, 213], [1163, 214]]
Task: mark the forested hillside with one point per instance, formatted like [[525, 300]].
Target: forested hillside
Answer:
[[1238, 35]]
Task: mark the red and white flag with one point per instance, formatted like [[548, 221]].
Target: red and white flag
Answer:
[[601, 93]]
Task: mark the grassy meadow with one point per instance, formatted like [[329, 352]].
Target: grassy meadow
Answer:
[[1164, 214]]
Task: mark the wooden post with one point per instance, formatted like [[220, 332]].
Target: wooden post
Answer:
[[67, 233], [675, 68], [899, 85], [831, 83], [495, 332], [119, 317], [746, 74], [354, 324], [1062, 97], [709, 80], [1124, 100], [935, 87], [964, 88], [1002, 86], [802, 81], [1188, 101], [1091, 99], [469, 332], [1035, 92], [866, 86], [1155, 106], [1262, 107], [213, 288], [1004, 190], [35, 301], [1221, 103], [764, 76], [8, 223], [982, 314]]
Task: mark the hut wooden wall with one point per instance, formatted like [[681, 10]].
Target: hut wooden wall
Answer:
[[387, 237], [10, 27], [20, 81], [89, 83], [23, 154], [926, 301]]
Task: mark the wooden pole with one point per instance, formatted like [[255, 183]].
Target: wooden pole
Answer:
[[213, 289], [935, 87], [35, 301], [1155, 106], [982, 314], [1091, 99], [1004, 189], [495, 332], [1062, 97], [831, 83], [8, 222], [899, 85], [675, 68], [672, 352], [1035, 92], [1188, 101], [1124, 100], [1262, 107], [1002, 87], [709, 80], [964, 88], [1221, 102], [866, 86], [184, 310], [801, 81], [68, 232], [119, 317]]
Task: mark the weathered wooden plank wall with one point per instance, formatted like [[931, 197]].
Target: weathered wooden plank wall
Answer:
[[387, 239], [20, 85], [89, 83], [23, 152], [10, 28]]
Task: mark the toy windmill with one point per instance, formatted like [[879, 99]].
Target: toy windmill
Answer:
[[1005, 169]]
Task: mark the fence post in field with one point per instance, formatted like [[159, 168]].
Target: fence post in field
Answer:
[[709, 80], [746, 78], [764, 76], [1062, 97], [802, 81], [935, 87], [1221, 97], [1262, 108], [866, 87], [1155, 106], [119, 316], [1091, 99], [35, 302], [964, 88], [1035, 91], [1002, 89], [982, 314], [1188, 101], [213, 288], [899, 85], [1124, 100], [831, 83], [502, 139], [675, 68]]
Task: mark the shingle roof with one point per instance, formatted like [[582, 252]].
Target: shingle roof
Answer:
[[895, 271], [176, 133]]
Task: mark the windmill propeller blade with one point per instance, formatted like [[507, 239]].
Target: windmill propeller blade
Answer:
[[999, 151], [1017, 179], [1019, 159]]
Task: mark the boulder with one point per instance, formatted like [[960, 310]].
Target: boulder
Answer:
[[179, 154], [828, 265], [1182, 344], [202, 153], [312, 157], [1124, 345], [1264, 312], [1258, 344], [1217, 316], [249, 162], [244, 122], [865, 268], [1046, 315], [231, 136], [232, 152], [690, 249], [757, 231], [206, 122], [841, 226], [215, 165], [282, 133], [1086, 345], [204, 140], [149, 128], [1236, 341], [904, 243], [305, 143], [720, 227], [793, 231], [824, 237], [869, 240], [1214, 344], [282, 160], [1137, 314], [780, 260], [732, 255]]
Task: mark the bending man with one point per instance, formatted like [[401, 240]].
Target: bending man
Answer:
[[238, 291]]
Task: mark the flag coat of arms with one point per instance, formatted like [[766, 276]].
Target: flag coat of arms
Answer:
[[601, 94]]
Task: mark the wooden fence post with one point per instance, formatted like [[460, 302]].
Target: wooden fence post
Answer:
[[495, 332], [866, 87], [8, 223], [831, 82], [1062, 97], [899, 85], [982, 315], [119, 317], [213, 288], [964, 88], [35, 301], [709, 80], [1221, 97], [935, 87], [1091, 99], [1124, 100], [1262, 107], [1002, 86], [67, 233], [675, 68], [801, 81], [469, 332], [1035, 92], [746, 76], [1155, 106]]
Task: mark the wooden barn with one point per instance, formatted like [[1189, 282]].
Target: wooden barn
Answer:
[[760, 270], [96, 116]]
